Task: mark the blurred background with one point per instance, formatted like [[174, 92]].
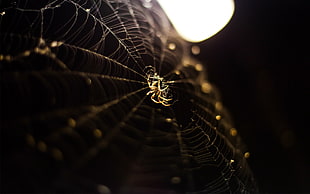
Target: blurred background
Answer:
[[259, 62]]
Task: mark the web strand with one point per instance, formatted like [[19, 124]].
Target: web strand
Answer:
[[104, 97]]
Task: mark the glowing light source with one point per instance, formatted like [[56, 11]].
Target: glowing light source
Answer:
[[97, 133], [247, 154], [233, 132], [197, 20]]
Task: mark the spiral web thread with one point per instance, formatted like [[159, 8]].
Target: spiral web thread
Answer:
[[77, 112]]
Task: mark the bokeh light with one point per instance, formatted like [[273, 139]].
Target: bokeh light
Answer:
[[197, 20]]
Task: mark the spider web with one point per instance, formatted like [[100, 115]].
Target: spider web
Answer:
[[75, 114]]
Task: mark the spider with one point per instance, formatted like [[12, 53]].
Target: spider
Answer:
[[158, 90]]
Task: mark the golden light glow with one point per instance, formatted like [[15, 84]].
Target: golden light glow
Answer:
[[206, 87], [218, 117], [233, 132], [177, 72], [57, 154], [168, 120], [97, 133], [186, 64], [56, 44], [195, 50], [71, 122], [30, 140], [102, 189], [218, 105], [42, 146], [197, 20], [198, 67], [247, 154], [88, 81], [175, 180], [172, 46]]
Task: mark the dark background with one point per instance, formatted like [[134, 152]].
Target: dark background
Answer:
[[259, 63]]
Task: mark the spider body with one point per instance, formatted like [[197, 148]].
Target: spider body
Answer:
[[158, 90]]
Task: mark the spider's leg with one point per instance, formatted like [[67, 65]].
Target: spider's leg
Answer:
[[153, 98], [151, 91]]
